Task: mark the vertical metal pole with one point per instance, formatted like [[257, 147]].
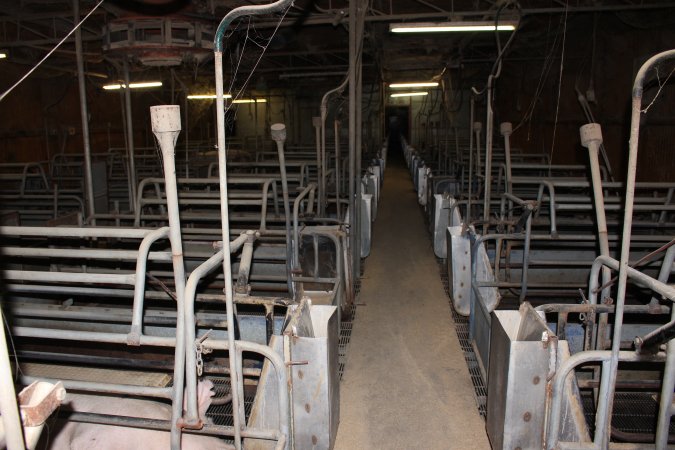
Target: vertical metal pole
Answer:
[[665, 408], [320, 178], [488, 157], [255, 111], [130, 137], [506, 129], [237, 404], [89, 185], [353, 241], [359, 133], [468, 204], [278, 132], [187, 135], [337, 169], [9, 410], [591, 138], [608, 382]]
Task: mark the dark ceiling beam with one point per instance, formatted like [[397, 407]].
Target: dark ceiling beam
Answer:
[[432, 6], [30, 17], [614, 7], [342, 67], [35, 42]]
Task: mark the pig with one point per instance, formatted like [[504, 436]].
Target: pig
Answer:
[[86, 436]]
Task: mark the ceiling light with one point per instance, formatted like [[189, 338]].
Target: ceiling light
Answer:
[[250, 100], [206, 96], [144, 84], [413, 85], [3, 55], [409, 94], [440, 27]]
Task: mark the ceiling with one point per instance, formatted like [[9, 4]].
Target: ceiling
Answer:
[[311, 43]]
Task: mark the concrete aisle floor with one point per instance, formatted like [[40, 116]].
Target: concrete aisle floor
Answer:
[[406, 384]]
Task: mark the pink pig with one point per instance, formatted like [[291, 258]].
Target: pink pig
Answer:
[[85, 436]]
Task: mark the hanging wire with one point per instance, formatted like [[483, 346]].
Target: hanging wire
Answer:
[[557, 106], [21, 80]]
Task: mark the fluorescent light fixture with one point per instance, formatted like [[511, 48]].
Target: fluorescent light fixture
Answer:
[[445, 27], [413, 85], [3, 55], [206, 96], [145, 84], [409, 94], [250, 100]]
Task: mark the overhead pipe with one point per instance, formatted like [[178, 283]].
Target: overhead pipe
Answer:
[[166, 126], [237, 406], [604, 413], [494, 74], [89, 184]]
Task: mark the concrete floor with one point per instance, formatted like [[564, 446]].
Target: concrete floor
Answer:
[[406, 384]]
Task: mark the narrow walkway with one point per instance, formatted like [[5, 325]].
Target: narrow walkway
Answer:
[[406, 385]]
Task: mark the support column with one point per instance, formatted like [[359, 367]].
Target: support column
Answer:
[[88, 182], [130, 137]]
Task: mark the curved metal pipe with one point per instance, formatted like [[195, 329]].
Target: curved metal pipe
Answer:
[[324, 114], [237, 405]]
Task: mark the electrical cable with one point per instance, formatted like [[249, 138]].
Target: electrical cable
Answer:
[[21, 80]]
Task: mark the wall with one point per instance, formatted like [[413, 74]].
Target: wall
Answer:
[[620, 49]]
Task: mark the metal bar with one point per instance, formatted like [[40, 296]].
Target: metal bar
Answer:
[[63, 277], [133, 182], [115, 255], [557, 386], [323, 115], [278, 132], [353, 177], [237, 405], [604, 414], [75, 232], [166, 126], [89, 184], [90, 336], [296, 212], [139, 287]]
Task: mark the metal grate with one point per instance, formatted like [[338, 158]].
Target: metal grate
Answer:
[[345, 337], [462, 329], [634, 412], [222, 414]]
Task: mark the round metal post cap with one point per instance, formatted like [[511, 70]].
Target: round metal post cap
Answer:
[[165, 118], [506, 128], [477, 126], [591, 132], [278, 132], [316, 122]]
